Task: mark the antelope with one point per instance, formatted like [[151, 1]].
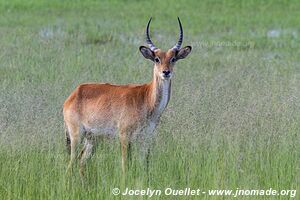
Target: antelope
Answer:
[[126, 111]]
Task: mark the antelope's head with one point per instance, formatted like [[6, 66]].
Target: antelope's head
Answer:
[[164, 61]]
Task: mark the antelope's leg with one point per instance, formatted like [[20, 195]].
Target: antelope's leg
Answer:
[[85, 154], [129, 152], [148, 154], [125, 148], [74, 132]]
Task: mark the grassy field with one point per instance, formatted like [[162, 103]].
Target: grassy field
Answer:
[[233, 120]]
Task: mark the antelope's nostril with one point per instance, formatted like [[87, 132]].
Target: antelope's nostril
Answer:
[[166, 72]]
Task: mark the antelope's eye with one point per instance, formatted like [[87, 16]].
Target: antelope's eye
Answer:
[[156, 59], [172, 60]]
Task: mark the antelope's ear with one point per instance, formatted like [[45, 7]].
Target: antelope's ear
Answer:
[[147, 53], [183, 52]]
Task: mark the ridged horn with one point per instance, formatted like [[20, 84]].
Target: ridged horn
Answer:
[[178, 45], [148, 40]]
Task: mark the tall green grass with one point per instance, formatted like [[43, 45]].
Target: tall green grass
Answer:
[[233, 120]]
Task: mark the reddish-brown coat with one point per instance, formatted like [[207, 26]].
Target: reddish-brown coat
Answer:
[[129, 109]]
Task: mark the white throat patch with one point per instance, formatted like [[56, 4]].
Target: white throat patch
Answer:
[[164, 96]]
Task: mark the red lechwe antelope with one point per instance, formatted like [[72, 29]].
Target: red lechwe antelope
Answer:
[[129, 110]]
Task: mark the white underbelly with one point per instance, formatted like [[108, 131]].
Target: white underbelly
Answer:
[[145, 130], [102, 130]]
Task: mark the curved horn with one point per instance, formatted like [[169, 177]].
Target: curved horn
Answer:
[[178, 45], [148, 40]]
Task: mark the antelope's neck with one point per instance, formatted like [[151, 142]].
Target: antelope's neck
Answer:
[[160, 96]]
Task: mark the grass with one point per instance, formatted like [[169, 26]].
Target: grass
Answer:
[[233, 120]]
